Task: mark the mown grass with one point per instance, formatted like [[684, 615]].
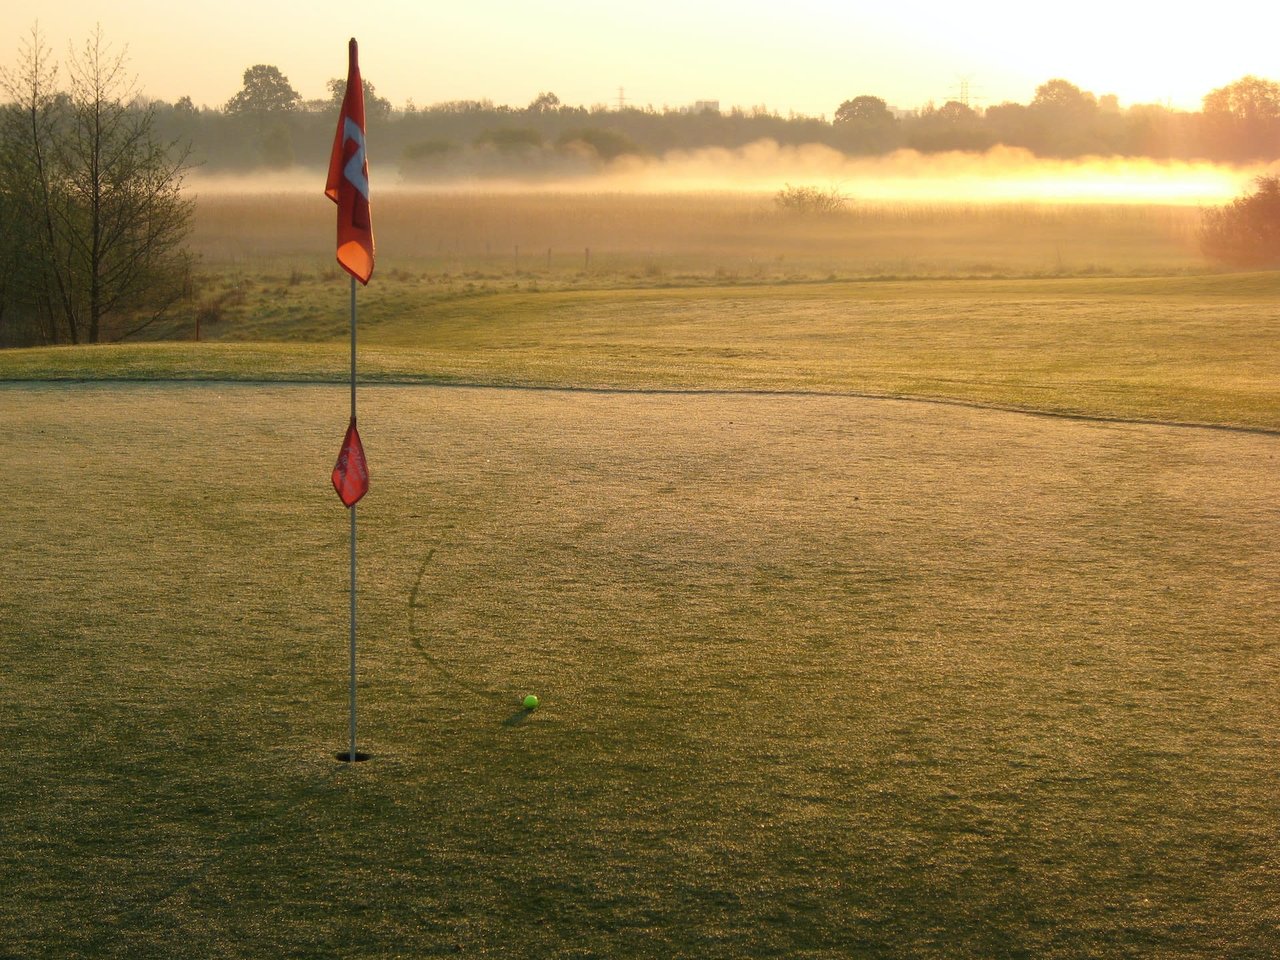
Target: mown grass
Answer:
[[1185, 349], [1080, 310], [821, 677]]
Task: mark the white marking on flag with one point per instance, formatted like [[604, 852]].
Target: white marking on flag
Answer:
[[354, 170]]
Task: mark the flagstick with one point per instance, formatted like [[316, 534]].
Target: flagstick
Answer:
[[353, 348], [352, 756]]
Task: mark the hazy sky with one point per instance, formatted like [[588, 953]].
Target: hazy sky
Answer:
[[789, 55]]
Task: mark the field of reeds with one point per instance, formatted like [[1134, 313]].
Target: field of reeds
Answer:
[[620, 238]]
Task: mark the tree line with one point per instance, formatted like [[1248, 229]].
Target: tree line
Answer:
[[268, 124]]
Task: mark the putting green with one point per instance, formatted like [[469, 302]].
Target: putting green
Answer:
[[830, 676]]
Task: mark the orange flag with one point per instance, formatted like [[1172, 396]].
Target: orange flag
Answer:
[[348, 183], [351, 473]]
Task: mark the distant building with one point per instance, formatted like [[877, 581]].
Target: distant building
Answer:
[[704, 106]]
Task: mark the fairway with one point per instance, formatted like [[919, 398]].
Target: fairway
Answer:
[[1190, 350], [821, 676]]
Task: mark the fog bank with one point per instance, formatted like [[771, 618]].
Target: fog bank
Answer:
[[1000, 175]]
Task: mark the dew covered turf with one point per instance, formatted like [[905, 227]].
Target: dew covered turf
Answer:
[[820, 676]]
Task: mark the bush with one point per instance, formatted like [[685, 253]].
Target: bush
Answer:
[[1246, 232], [810, 201]]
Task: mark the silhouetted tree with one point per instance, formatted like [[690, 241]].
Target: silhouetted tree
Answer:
[[1064, 97], [375, 107], [864, 109], [92, 198], [544, 103], [266, 91], [267, 111], [31, 298], [1063, 120], [1249, 98], [953, 126], [1010, 124], [1242, 119], [866, 125]]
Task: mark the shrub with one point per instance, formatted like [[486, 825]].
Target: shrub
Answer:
[[810, 201], [1246, 232]]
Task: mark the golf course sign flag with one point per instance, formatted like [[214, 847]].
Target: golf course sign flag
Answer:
[[351, 473], [348, 182]]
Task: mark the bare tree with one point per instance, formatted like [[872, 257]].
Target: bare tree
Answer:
[[101, 219], [31, 290], [125, 188]]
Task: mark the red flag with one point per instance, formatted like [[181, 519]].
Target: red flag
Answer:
[[348, 183], [351, 472]]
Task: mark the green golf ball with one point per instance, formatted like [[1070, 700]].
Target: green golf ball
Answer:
[[531, 702]]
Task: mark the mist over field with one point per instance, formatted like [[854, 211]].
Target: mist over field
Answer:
[[999, 175]]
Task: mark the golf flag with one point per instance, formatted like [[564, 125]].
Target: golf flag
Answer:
[[348, 183], [351, 473]]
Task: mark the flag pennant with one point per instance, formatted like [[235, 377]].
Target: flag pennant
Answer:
[[351, 472], [348, 182]]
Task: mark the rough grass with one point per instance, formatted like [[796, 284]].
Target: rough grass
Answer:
[[821, 677]]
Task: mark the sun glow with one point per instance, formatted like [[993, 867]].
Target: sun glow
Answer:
[[998, 175]]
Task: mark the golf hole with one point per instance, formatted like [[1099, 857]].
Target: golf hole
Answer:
[[345, 757]]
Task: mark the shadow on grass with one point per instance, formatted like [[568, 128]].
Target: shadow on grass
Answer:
[[517, 718]]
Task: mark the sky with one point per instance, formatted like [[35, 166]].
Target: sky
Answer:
[[790, 56]]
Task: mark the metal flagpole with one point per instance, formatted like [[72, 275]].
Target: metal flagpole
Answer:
[[352, 756], [347, 185]]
